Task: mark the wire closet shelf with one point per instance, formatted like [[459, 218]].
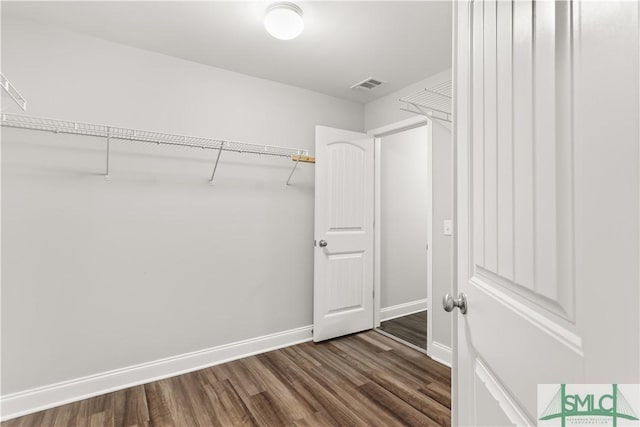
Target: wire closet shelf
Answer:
[[12, 92], [136, 135], [433, 102]]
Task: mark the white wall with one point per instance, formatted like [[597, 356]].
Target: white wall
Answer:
[[442, 189], [403, 218], [385, 111], [99, 275]]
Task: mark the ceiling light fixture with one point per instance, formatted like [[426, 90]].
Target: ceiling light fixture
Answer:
[[283, 20]]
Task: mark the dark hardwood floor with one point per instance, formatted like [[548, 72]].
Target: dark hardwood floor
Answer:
[[364, 379], [411, 328]]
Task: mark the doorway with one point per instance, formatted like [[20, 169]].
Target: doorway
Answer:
[[348, 236], [413, 242]]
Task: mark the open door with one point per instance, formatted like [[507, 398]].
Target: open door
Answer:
[[343, 261], [546, 133]]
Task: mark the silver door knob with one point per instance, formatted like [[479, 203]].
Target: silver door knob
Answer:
[[323, 243], [449, 303]]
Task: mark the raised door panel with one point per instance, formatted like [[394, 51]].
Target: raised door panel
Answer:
[[521, 145], [346, 190], [346, 280]]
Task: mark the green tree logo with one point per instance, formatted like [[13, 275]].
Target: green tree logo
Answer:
[[564, 406]]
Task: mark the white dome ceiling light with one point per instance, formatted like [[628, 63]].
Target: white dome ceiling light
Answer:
[[283, 20]]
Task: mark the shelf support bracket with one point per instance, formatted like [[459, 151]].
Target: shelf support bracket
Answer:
[[294, 167], [215, 167], [106, 174]]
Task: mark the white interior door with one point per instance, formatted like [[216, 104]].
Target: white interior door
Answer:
[[343, 261], [546, 132]]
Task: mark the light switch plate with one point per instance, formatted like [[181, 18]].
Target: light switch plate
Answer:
[[448, 227]]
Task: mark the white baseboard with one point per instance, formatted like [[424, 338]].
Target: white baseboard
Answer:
[[440, 353], [405, 309], [38, 399]]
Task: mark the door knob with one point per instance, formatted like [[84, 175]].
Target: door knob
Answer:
[[322, 243], [449, 303]]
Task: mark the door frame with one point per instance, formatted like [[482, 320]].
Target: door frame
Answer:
[[458, 162], [378, 134]]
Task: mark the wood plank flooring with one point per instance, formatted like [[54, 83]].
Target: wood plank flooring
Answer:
[[364, 379], [411, 328]]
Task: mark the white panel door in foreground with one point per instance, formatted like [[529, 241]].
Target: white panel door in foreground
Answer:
[[548, 223]]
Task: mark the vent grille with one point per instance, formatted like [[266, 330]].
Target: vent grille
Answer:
[[368, 83]]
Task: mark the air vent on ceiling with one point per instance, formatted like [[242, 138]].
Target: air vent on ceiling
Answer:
[[368, 83]]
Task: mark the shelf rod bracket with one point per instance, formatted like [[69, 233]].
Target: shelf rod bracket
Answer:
[[106, 174], [215, 167], [294, 168]]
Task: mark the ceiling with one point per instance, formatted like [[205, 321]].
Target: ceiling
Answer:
[[343, 42]]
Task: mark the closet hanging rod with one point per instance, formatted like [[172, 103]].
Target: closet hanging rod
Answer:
[[13, 92], [125, 134], [78, 128]]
